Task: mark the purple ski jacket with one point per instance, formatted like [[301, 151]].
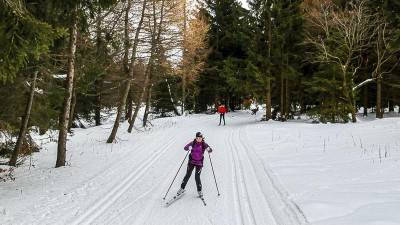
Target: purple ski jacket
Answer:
[[196, 156]]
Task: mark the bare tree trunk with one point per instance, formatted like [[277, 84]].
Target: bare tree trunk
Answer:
[[172, 99], [348, 92], [390, 106], [155, 37], [120, 110], [287, 100], [184, 56], [268, 114], [351, 29], [72, 111], [336, 105], [99, 81], [282, 105], [379, 113], [25, 120], [65, 116], [147, 109], [97, 109], [353, 108], [141, 95], [127, 85], [365, 113], [130, 76], [183, 93], [129, 106]]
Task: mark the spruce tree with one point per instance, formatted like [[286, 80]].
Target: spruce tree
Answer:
[[227, 40], [23, 37]]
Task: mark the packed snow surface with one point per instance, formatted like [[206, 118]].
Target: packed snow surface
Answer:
[[267, 173]]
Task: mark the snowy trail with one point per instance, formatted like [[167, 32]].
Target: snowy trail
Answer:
[[129, 190], [293, 173], [238, 182], [97, 208], [111, 199]]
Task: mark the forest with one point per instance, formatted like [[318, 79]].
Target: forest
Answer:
[[64, 62]]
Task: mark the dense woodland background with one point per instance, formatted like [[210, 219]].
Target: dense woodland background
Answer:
[[62, 62]]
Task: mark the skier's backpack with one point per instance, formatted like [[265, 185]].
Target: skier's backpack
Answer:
[[202, 147]]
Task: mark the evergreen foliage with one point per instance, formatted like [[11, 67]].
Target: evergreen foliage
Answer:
[[166, 86], [164, 93], [330, 104], [252, 54], [228, 37], [22, 37]]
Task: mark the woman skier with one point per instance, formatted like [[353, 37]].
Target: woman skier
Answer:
[[196, 157]]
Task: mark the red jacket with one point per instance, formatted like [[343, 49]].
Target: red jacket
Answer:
[[222, 110]]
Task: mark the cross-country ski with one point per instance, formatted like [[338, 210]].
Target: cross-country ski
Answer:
[[173, 199], [202, 199]]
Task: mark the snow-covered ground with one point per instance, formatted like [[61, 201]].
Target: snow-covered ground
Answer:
[[267, 173]]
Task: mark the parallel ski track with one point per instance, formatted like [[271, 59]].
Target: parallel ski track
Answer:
[[97, 208], [240, 194], [102, 204], [272, 206], [148, 207], [244, 185], [284, 211], [250, 178]]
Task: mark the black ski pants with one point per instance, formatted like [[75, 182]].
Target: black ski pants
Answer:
[[189, 170], [221, 116]]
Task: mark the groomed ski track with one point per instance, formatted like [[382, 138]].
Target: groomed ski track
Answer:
[[130, 190]]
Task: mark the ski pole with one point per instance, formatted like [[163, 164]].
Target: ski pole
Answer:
[[176, 174], [214, 173]]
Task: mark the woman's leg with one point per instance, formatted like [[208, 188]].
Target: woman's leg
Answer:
[[197, 177], [189, 170]]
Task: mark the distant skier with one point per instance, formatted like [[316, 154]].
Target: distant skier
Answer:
[[196, 157], [222, 110], [254, 111]]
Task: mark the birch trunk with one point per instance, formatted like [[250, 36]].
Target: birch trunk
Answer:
[[65, 115]]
